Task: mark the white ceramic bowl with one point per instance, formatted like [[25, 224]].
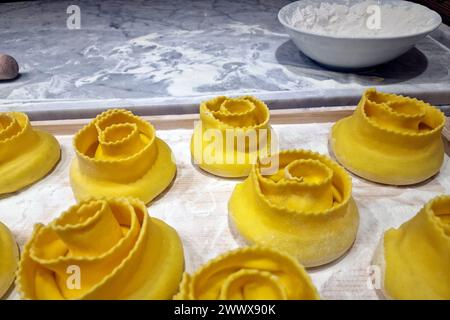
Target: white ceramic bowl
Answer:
[[351, 52]]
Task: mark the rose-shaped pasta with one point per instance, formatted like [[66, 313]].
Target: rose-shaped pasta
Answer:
[[118, 154], [102, 249], [415, 258], [26, 154], [305, 208], [232, 133], [9, 258], [253, 273], [390, 139]]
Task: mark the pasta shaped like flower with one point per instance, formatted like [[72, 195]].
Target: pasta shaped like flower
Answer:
[[305, 208], [231, 135], [102, 249], [9, 258], [118, 154], [390, 139], [415, 258], [253, 273], [26, 154]]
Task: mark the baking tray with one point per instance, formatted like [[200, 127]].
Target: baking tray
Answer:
[[196, 202]]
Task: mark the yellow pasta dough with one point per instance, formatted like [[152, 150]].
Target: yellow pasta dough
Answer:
[[253, 273], [231, 134], [415, 258], [9, 258], [118, 154], [26, 154], [390, 139], [102, 249], [304, 207]]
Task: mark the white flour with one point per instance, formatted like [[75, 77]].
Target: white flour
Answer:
[[349, 18]]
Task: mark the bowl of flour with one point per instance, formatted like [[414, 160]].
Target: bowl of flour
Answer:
[[356, 34]]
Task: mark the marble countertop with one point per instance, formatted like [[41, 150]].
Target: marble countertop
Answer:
[[165, 56]]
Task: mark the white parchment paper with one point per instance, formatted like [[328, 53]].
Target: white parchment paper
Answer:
[[196, 206]]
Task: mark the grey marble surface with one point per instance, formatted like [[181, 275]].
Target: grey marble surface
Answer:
[[166, 56]]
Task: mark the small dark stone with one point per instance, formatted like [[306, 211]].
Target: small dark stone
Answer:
[[8, 67]]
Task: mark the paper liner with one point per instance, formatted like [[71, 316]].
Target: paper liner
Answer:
[[102, 249], [232, 133], [306, 208], [416, 257], [118, 154], [390, 139], [249, 273], [26, 154]]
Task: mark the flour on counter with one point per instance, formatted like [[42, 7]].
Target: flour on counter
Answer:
[[349, 18]]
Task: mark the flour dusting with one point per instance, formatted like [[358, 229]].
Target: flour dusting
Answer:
[[349, 18]]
